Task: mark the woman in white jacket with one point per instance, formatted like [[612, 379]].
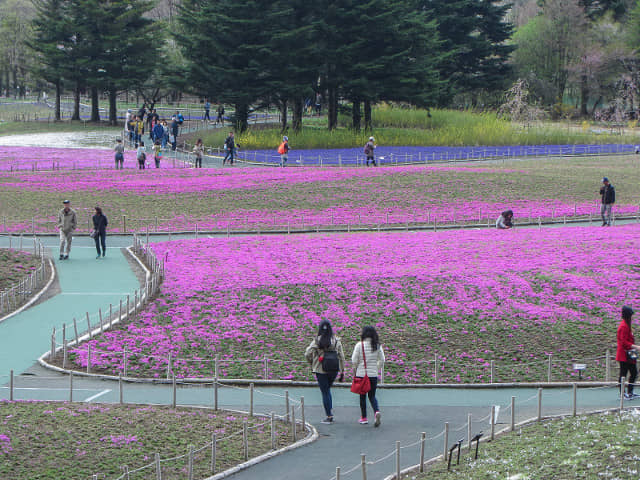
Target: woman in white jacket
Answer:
[[368, 350]]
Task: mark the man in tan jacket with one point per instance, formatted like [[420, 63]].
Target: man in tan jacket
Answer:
[[67, 223]]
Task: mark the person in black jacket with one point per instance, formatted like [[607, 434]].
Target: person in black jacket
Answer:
[[230, 149], [100, 232], [608, 194]]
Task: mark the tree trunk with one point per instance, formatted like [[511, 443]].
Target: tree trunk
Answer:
[[356, 116], [95, 111], [58, 94], [113, 114], [298, 105], [332, 112], [76, 103], [283, 115], [584, 96], [368, 124], [597, 104], [241, 117]]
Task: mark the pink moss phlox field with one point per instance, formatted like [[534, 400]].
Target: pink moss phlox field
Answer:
[[44, 158], [467, 297], [270, 198]]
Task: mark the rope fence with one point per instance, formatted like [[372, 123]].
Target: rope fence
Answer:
[[485, 428], [17, 295], [288, 223], [287, 427]]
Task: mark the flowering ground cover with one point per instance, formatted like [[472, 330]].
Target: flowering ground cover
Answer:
[[14, 266], [269, 198], [464, 298], [586, 447], [43, 439]]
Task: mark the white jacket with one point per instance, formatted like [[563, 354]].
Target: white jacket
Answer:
[[375, 360]]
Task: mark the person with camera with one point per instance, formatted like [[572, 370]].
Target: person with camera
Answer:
[[326, 357], [627, 352]]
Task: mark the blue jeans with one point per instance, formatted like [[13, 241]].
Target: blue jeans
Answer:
[[325, 380], [372, 398]]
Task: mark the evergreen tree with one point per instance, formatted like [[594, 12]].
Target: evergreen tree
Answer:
[[49, 28], [474, 32], [226, 43]]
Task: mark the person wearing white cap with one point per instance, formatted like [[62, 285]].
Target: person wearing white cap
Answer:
[[368, 151], [283, 150], [608, 194], [67, 223]]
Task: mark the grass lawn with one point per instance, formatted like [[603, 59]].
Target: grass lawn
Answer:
[[40, 440], [14, 266], [590, 447]]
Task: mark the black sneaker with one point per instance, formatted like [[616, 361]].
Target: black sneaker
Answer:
[[66, 257], [327, 421], [61, 257]]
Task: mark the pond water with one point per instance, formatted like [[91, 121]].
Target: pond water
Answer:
[[78, 139]]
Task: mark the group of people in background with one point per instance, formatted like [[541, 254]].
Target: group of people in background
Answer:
[[207, 112], [367, 360], [67, 223]]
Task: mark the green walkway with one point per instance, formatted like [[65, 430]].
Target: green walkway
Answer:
[[86, 284]]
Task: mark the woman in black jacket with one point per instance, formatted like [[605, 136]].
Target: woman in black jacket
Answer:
[[100, 231]]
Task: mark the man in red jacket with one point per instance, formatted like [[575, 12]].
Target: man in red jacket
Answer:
[[626, 342]]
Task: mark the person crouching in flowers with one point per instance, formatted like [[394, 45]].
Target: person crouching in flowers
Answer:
[[368, 357], [505, 220], [326, 357]]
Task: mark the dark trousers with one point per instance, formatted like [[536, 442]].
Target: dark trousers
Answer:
[[325, 380], [632, 370], [372, 398], [101, 240], [206, 115], [229, 155]]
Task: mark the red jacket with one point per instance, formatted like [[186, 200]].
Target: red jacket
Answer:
[[625, 340]]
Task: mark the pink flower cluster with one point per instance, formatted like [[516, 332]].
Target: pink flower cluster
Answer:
[[466, 297]]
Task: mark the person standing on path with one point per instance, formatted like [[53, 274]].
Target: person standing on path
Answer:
[[173, 138], [157, 133], [369, 148], [326, 357], [198, 150], [368, 351], [100, 231], [157, 153], [608, 194], [119, 157], [141, 156], [67, 223], [283, 150], [626, 342], [220, 118], [207, 109], [230, 149]]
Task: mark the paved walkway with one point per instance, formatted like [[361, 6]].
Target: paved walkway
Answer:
[[86, 283]]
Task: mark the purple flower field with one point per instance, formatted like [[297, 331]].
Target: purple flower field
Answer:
[[395, 154], [465, 298]]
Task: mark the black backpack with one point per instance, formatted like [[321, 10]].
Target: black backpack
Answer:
[[330, 361]]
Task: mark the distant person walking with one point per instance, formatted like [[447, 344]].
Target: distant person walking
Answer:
[[119, 156], [157, 153], [326, 357], [505, 220], [624, 352], [198, 150], [67, 223], [220, 117], [283, 150], [207, 110], [100, 232], [157, 132], [165, 134], [368, 358], [141, 156], [230, 149], [369, 149], [173, 136], [608, 194]]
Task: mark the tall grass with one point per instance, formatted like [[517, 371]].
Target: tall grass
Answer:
[[413, 127]]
